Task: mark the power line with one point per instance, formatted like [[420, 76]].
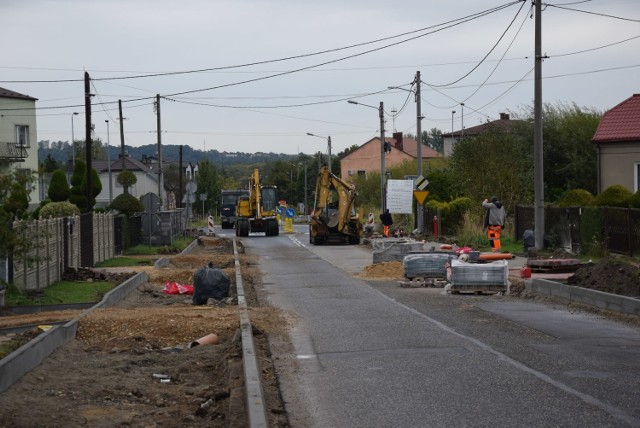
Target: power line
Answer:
[[487, 54], [592, 13]]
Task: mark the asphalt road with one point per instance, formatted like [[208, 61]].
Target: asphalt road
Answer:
[[373, 354]]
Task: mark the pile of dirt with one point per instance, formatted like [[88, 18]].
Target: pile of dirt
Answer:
[[92, 275], [131, 365], [609, 275], [384, 270]]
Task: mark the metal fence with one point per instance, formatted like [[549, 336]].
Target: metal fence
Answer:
[[615, 229]]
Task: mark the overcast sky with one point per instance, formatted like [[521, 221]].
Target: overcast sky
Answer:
[[312, 56]]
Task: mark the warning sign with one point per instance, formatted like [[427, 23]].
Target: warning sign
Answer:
[[420, 196], [421, 182]]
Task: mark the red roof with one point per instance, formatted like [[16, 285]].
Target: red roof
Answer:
[[621, 123]]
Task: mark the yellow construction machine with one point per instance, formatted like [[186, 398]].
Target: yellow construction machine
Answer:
[[257, 211], [334, 218]]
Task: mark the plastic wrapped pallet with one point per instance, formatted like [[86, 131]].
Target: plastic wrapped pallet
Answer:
[[426, 265], [472, 276]]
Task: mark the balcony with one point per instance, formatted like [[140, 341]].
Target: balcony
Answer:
[[13, 152]]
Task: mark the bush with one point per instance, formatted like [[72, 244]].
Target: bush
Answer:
[[126, 204], [577, 198], [59, 189], [634, 201], [451, 213], [614, 196], [59, 209]]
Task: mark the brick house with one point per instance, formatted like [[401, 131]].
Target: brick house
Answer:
[[366, 158], [618, 143]]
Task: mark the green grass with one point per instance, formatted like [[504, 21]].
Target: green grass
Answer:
[[178, 245], [59, 292], [125, 262]]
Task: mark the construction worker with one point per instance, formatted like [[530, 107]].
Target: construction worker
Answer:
[[387, 221], [494, 221]]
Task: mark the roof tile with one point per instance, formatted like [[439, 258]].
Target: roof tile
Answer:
[[621, 123]]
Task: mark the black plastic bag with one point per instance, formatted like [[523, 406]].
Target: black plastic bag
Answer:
[[210, 282]]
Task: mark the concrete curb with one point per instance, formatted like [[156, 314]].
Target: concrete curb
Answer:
[[256, 407], [570, 293], [164, 262], [30, 355]]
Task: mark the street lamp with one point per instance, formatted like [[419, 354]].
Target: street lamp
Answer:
[[109, 162], [73, 145], [382, 166], [452, 113], [462, 127], [329, 146]]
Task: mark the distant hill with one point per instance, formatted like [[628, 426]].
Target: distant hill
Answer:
[[60, 151]]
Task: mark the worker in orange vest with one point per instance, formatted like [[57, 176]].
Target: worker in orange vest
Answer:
[[387, 221], [494, 221]]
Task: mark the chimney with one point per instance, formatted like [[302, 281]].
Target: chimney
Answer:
[[504, 116], [398, 137]]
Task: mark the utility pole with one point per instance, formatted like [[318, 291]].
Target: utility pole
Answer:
[[383, 172], [160, 176], [121, 134], [329, 152], [179, 201], [537, 131], [88, 142], [109, 163], [419, 138]]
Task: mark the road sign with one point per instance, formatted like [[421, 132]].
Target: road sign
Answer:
[[290, 213], [399, 196], [421, 182], [420, 195], [280, 210]]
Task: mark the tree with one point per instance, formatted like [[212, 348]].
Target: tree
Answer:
[[78, 197], [59, 188], [14, 203], [495, 163], [50, 164], [209, 182], [98, 149], [569, 155], [96, 186], [126, 179]]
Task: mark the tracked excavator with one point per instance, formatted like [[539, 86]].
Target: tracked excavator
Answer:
[[334, 218], [257, 211]]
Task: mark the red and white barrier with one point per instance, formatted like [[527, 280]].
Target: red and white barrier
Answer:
[[210, 225]]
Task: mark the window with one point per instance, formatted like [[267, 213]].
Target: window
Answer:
[[22, 135], [636, 177], [362, 172], [28, 174], [350, 172]]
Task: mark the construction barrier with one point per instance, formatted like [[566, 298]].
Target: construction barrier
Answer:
[[210, 220]]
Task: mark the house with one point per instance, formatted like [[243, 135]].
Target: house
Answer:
[[618, 143], [147, 179], [366, 158], [450, 139], [19, 137]]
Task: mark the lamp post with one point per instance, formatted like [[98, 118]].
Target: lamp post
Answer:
[[452, 113], [109, 162], [462, 123], [73, 145], [328, 146], [382, 166]]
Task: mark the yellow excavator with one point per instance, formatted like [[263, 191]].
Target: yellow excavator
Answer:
[[334, 218], [257, 211]]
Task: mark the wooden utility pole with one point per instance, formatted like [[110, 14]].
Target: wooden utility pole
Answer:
[[160, 176], [537, 131], [180, 171], [88, 142], [121, 133], [420, 213]]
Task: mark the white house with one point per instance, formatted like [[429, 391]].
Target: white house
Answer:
[[19, 137]]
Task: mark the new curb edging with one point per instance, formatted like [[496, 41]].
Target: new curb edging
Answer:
[[571, 293], [31, 354]]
